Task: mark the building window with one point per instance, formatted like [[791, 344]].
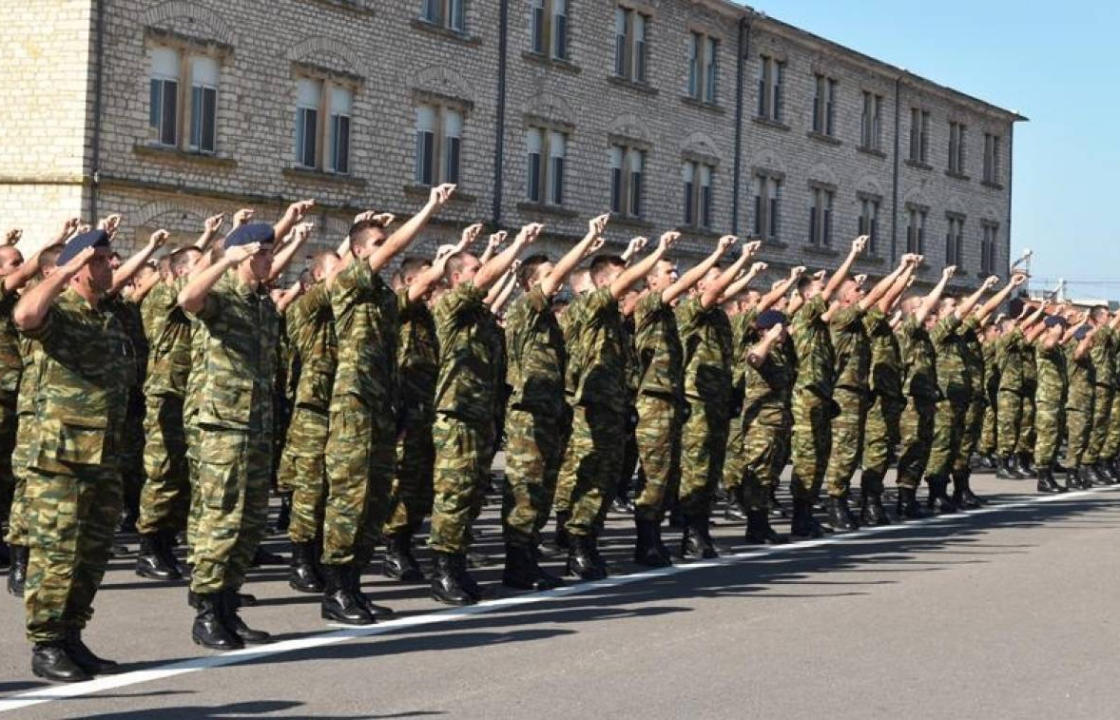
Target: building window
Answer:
[[956, 148], [954, 241], [696, 178], [771, 76], [820, 217], [919, 136], [916, 230], [545, 180], [309, 98], [341, 107], [627, 167], [767, 206], [988, 248], [869, 222], [439, 142], [871, 122], [630, 44], [702, 71], [548, 28], [204, 103], [991, 158], [445, 13], [824, 106], [163, 108]]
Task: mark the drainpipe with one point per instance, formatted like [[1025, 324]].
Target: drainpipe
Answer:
[[500, 132], [894, 179], [99, 62], [743, 51], [1010, 179]]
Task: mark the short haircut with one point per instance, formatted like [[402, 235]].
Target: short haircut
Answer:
[[413, 264], [359, 229], [48, 257], [181, 258], [804, 282], [319, 258], [529, 268], [456, 262], [603, 263]]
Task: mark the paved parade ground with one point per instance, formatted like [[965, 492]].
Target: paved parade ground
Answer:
[[1004, 612]]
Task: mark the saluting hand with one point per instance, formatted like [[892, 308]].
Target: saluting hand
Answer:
[[237, 254], [158, 238], [12, 236], [668, 238], [441, 194], [214, 223], [243, 216], [596, 225], [470, 234]]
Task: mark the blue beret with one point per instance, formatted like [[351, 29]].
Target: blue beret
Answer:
[[769, 319], [1052, 320], [1082, 333], [251, 233], [93, 238]]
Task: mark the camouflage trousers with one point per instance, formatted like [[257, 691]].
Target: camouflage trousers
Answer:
[[703, 453], [759, 461], [410, 496], [360, 457], [659, 451], [945, 445], [71, 519], [9, 423], [459, 476], [234, 471], [17, 516], [732, 477], [847, 442], [535, 440], [970, 434], [1009, 422], [987, 444], [1079, 425], [1102, 415], [194, 511], [881, 433], [812, 443], [1111, 447], [165, 496], [1025, 440], [303, 472], [592, 464], [1049, 429], [915, 437], [131, 456]]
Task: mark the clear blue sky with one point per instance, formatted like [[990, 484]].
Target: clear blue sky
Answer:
[[1057, 64]]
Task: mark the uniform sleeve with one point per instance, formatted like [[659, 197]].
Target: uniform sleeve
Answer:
[[212, 306], [944, 328], [598, 302], [847, 317], [50, 329]]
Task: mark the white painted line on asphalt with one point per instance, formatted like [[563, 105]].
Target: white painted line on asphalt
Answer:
[[318, 640]]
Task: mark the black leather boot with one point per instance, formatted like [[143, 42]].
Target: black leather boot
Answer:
[[264, 557], [696, 541], [84, 657], [1026, 465], [908, 506], [734, 510], [17, 575], [759, 531], [839, 516], [1090, 474], [352, 577], [1019, 468], [1005, 470], [50, 661], [939, 501], [446, 586], [208, 630], [1084, 479], [5, 555], [561, 540], [303, 577], [522, 571], [1104, 469], [647, 550], [962, 494], [872, 511], [803, 526], [777, 510], [284, 516], [1046, 481], [151, 562], [400, 563], [233, 622], [584, 560], [1073, 478], [988, 461], [339, 604]]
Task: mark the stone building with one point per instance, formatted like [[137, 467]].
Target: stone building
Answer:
[[697, 114]]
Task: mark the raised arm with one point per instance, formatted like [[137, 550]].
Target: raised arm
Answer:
[[192, 298], [744, 282], [282, 259], [779, 290], [880, 289], [965, 307], [31, 310], [407, 232], [713, 294], [929, 302], [696, 273], [288, 296], [841, 273], [564, 267], [902, 281], [210, 228], [294, 214], [139, 292], [635, 246], [639, 270], [492, 271], [125, 272], [499, 294], [492, 244], [998, 299], [22, 275], [426, 279], [761, 349]]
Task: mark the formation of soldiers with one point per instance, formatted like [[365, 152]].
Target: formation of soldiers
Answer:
[[181, 392]]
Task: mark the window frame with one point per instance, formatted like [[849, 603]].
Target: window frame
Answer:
[[443, 160], [822, 205], [767, 206], [628, 185]]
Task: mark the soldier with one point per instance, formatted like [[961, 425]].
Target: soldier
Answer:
[[1079, 402], [537, 420], [990, 344], [165, 495], [1024, 441], [74, 489], [362, 427], [1009, 401], [1050, 398], [1103, 358], [1110, 451]]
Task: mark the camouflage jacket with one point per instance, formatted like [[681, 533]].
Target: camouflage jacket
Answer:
[[11, 364], [659, 347], [1009, 358], [313, 346], [168, 330], [465, 388], [1052, 380], [128, 313], [1103, 354], [597, 353], [886, 357], [973, 356], [851, 348], [1082, 378], [952, 371], [811, 339], [918, 359], [537, 355], [768, 388], [418, 355], [708, 341], [367, 326]]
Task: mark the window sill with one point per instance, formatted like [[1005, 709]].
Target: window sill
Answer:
[[876, 260], [769, 243], [703, 105], [872, 151], [699, 231], [160, 152], [821, 137], [820, 251], [308, 175], [528, 206], [356, 6], [424, 191], [551, 62], [770, 123], [957, 175], [918, 165], [630, 221], [992, 185], [445, 32], [635, 85]]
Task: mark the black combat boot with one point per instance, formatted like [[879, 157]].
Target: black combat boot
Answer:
[[303, 577], [353, 579], [522, 571], [264, 557], [759, 531], [1090, 474], [647, 549], [447, 587], [17, 574], [1005, 469], [804, 526], [151, 562], [561, 540], [871, 508], [734, 510], [988, 461], [1104, 469], [284, 516], [400, 563], [939, 501], [50, 661], [839, 516], [208, 629], [1026, 465], [1046, 481], [584, 560], [339, 604], [5, 555], [963, 496], [84, 657], [696, 541], [1019, 467], [1073, 478], [777, 510], [908, 506], [233, 622]]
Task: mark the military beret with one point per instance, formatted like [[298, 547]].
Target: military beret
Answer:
[[1082, 333], [1052, 320], [769, 319], [251, 233], [93, 238]]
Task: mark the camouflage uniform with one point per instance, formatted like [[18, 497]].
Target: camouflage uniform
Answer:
[[987, 445], [812, 395], [1079, 405], [1009, 413], [463, 431], [131, 461], [1027, 435], [191, 403], [596, 387], [881, 432], [660, 402], [973, 357], [955, 385], [238, 331], [765, 425], [74, 486], [922, 394], [1050, 401], [303, 467], [28, 429], [707, 340], [1102, 355], [1111, 449], [11, 368], [361, 440], [165, 497], [853, 362], [744, 336], [538, 418]]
